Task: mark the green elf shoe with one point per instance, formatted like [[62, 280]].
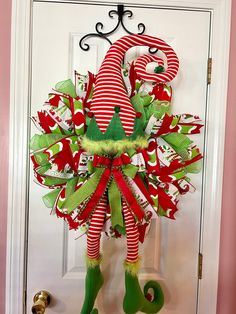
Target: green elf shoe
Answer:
[[93, 283], [135, 299]]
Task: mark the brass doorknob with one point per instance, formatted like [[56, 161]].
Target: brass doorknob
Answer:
[[41, 301]]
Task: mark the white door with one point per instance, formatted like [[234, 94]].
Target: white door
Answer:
[[170, 253]]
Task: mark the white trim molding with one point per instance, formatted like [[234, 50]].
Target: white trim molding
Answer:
[[18, 155], [18, 146]]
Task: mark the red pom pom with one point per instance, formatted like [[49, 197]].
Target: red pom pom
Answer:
[[138, 114], [90, 114]]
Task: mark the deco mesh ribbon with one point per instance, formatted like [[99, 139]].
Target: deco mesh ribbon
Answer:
[[114, 156]]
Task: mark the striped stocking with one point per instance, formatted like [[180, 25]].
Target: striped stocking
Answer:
[[131, 234], [95, 229]]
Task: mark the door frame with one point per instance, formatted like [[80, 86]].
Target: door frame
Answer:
[[19, 136]]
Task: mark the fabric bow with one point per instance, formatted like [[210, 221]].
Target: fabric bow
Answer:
[[109, 174]]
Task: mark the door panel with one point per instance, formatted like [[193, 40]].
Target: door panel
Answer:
[[170, 253]]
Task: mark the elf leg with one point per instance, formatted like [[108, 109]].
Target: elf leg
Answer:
[[134, 299], [94, 278]]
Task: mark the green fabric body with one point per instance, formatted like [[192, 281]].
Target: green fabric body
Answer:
[[93, 283], [135, 300]]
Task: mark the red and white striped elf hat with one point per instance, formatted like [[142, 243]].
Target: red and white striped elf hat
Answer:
[[110, 92]]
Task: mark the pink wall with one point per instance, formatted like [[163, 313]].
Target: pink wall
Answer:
[[227, 271], [5, 25]]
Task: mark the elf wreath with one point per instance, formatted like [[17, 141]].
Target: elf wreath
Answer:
[[113, 155]]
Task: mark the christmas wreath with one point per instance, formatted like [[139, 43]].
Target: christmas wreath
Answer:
[[113, 157]]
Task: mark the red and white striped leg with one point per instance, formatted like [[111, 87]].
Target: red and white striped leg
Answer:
[[95, 229], [132, 235]]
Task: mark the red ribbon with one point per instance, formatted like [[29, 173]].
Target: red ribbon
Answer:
[[167, 128], [112, 169], [143, 188], [165, 172], [166, 203]]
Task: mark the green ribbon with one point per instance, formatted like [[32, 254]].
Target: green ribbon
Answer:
[[179, 142], [50, 198], [66, 87], [70, 186], [79, 196], [114, 196], [38, 142], [114, 199], [88, 188], [130, 170]]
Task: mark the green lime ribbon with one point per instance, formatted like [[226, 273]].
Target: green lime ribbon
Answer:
[[114, 196]]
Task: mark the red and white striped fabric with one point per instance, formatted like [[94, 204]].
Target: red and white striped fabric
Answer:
[[95, 229], [96, 226], [132, 234], [140, 67], [109, 89]]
